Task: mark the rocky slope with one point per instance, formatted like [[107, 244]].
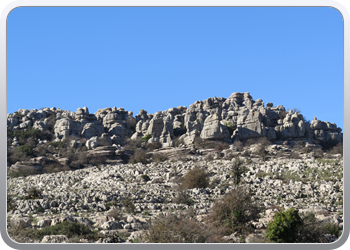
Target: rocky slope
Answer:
[[81, 165], [86, 195]]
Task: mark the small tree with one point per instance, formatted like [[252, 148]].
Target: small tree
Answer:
[[237, 170], [285, 226]]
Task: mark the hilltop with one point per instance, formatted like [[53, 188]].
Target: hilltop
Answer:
[[110, 177]]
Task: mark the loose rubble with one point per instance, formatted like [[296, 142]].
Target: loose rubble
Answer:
[[86, 195]]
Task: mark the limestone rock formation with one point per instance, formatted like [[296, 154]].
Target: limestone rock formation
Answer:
[[238, 117]]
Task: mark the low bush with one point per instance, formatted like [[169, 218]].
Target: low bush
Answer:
[[234, 211], [68, 228], [146, 138], [27, 150], [96, 160], [238, 145], [55, 167], [42, 150], [314, 230], [221, 146], [246, 153], [129, 205], [160, 157], [195, 178], [139, 156], [177, 229], [14, 155], [115, 213], [133, 144], [10, 203], [30, 132], [338, 149], [231, 127], [250, 142], [34, 193], [152, 146], [145, 177], [317, 153], [183, 198], [229, 156], [263, 142], [23, 172], [60, 144], [294, 155]]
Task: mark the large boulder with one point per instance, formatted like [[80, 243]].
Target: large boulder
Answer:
[[66, 127], [213, 129], [82, 113], [250, 125], [91, 130], [156, 125], [119, 132]]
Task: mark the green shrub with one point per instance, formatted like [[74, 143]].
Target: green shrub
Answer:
[[195, 178], [146, 138], [59, 144], [285, 226], [145, 177], [27, 150], [30, 132], [17, 174], [231, 127], [68, 228], [40, 210], [332, 229]]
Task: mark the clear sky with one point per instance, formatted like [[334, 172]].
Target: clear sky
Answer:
[[155, 58]]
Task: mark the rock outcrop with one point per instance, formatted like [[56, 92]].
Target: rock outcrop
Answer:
[[238, 117]]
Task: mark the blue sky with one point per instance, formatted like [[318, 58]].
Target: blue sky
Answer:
[[156, 58]]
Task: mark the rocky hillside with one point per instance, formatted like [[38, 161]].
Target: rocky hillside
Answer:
[[36, 133], [119, 201], [110, 177]]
